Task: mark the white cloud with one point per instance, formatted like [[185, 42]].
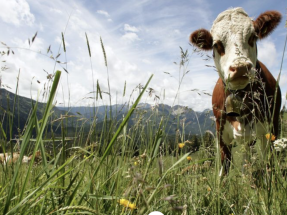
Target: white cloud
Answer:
[[34, 47], [146, 61], [267, 53], [176, 31], [130, 37], [55, 10], [102, 12], [78, 24], [127, 27], [105, 14], [16, 12]]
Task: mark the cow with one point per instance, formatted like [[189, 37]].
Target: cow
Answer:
[[244, 82], [8, 158]]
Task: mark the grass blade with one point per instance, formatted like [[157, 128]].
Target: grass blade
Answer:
[[120, 129], [39, 138], [25, 141], [63, 40]]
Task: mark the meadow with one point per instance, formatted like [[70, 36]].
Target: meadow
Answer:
[[100, 173]]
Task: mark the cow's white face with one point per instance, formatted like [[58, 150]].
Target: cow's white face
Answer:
[[234, 48], [233, 41]]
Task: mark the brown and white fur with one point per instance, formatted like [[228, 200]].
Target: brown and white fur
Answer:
[[8, 158], [233, 39]]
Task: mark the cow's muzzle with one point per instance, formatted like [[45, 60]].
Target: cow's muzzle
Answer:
[[239, 70]]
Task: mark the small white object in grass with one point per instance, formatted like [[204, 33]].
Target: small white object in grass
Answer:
[[220, 172], [280, 144], [25, 159], [155, 213]]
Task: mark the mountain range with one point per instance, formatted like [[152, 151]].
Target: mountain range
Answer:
[[176, 117]]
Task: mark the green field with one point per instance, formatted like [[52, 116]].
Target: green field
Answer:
[[99, 173], [115, 182]]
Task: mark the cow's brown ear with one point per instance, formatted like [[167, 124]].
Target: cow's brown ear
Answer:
[[266, 23], [202, 39]]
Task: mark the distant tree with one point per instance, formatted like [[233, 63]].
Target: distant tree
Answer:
[[195, 143], [208, 139]]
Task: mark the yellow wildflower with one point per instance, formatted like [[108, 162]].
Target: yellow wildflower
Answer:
[[135, 163], [189, 158], [132, 206], [124, 202], [127, 204], [208, 188], [181, 145], [270, 136]]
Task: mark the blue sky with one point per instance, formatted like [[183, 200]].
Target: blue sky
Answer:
[[140, 38]]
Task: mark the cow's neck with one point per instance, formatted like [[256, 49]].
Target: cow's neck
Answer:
[[251, 99]]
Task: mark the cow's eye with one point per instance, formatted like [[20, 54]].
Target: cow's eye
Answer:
[[218, 46], [252, 40]]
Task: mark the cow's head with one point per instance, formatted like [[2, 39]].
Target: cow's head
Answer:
[[233, 40]]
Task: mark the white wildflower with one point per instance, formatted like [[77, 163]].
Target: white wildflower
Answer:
[[280, 144]]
